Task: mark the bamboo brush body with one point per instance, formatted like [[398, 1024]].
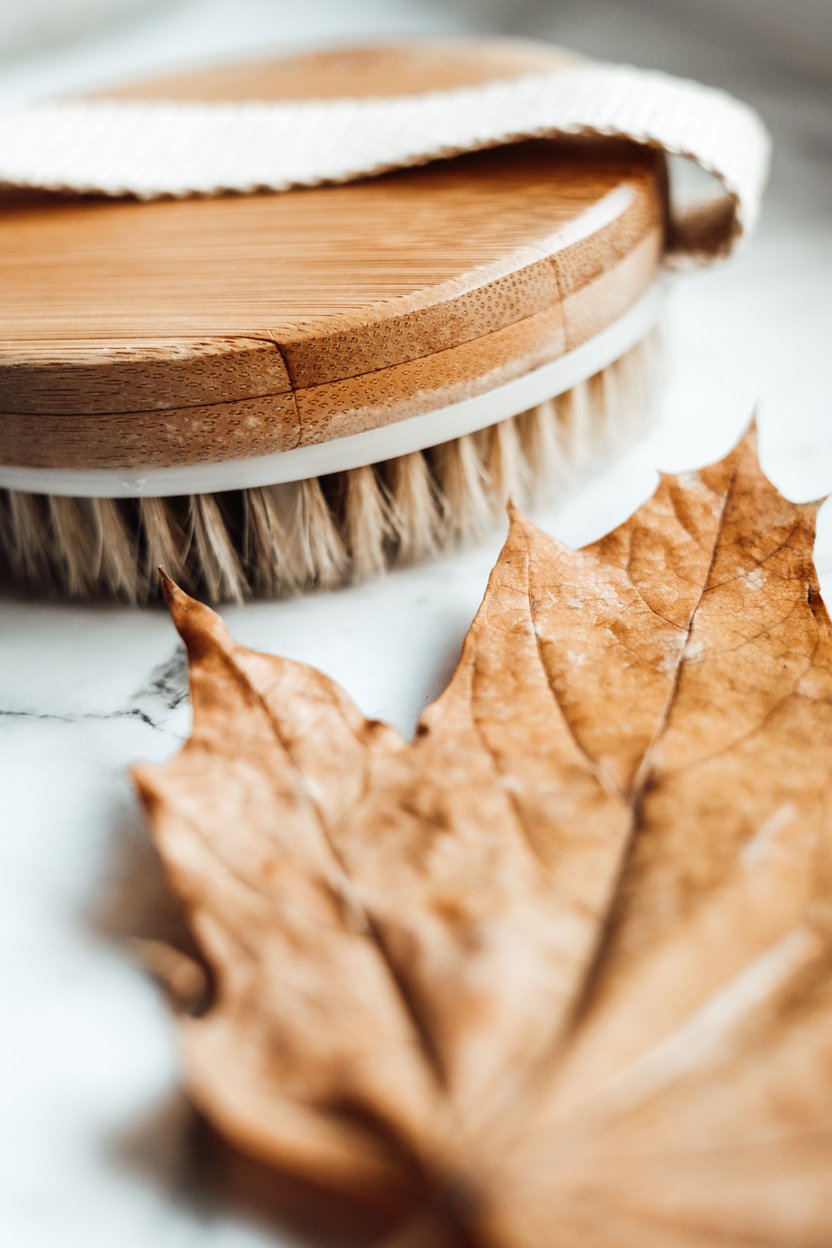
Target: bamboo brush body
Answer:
[[151, 345], [278, 540]]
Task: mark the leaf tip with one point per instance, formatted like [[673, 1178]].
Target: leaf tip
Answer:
[[518, 521], [749, 439], [168, 583], [196, 624], [175, 598]]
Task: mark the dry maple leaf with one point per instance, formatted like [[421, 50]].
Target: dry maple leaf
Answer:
[[562, 963]]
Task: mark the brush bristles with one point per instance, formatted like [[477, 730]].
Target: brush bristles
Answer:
[[278, 540]]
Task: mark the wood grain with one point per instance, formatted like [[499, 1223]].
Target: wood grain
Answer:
[[145, 334]]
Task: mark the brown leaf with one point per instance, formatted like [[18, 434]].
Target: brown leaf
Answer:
[[563, 961]]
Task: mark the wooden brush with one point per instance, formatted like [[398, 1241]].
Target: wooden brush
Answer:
[[268, 392]]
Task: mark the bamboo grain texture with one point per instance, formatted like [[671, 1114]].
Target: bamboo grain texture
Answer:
[[150, 334]]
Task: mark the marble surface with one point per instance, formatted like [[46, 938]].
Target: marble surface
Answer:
[[95, 1145]]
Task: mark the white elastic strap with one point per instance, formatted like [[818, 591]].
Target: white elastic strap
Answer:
[[150, 149]]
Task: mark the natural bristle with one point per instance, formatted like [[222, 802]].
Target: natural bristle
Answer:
[[278, 540]]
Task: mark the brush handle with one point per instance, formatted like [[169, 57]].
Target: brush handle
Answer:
[[151, 149]]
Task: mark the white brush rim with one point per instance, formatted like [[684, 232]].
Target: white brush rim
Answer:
[[443, 424]]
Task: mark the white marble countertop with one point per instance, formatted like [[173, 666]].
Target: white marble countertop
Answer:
[[93, 1133]]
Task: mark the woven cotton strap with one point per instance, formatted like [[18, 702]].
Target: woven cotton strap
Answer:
[[150, 149]]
